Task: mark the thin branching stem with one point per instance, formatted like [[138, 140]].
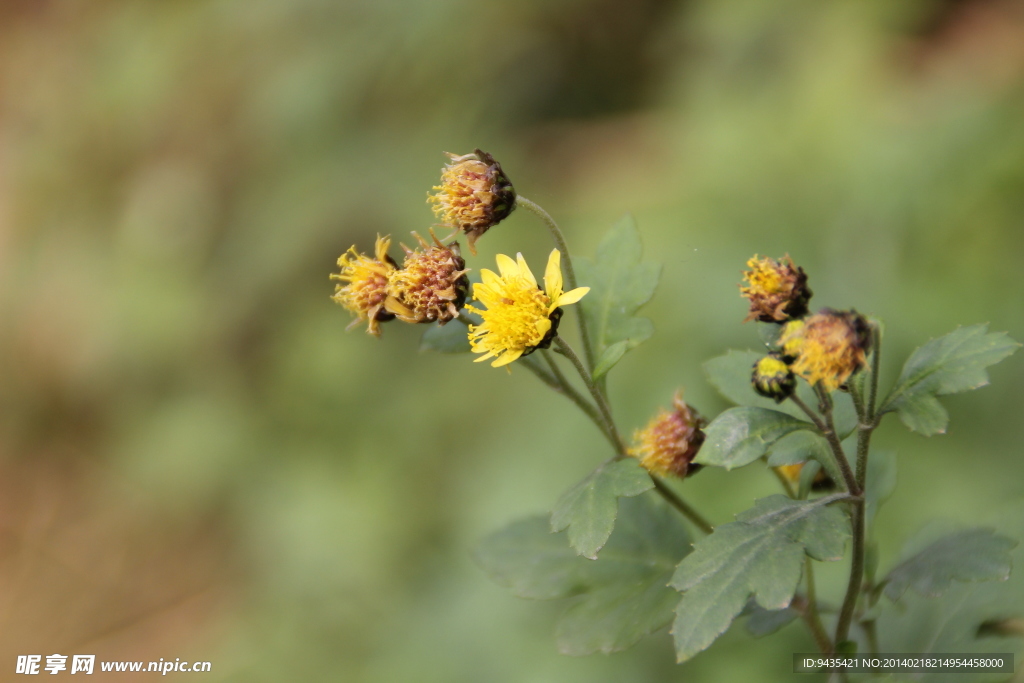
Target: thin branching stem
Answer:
[[602, 403], [615, 438], [679, 504], [811, 614], [868, 421], [827, 430]]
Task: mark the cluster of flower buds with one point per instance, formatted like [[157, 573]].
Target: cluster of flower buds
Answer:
[[670, 441], [825, 348], [431, 285]]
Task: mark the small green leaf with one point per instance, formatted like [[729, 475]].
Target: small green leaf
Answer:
[[620, 598], [610, 356], [764, 622], [761, 556], [971, 555], [947, 365], [449, 338], [620, 283], [589, 508], [730, 375], [739, 436]]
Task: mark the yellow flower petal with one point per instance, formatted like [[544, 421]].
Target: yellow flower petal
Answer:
[[553, 275], [525, 271], [507, 266], [571, 297], [507, 357]]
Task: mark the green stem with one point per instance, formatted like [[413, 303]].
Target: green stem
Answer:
[[570, 272], [867, 424], [811, 615], [678, 503], [602, 403], [827, 430], [570, 392], [876, 355], [620, 446]]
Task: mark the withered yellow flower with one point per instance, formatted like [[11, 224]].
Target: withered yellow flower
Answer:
[[772, 378], [670, 441], [431, 285], [520, 317], [365, 284], [777, 290], [474, 195], [828, 346]]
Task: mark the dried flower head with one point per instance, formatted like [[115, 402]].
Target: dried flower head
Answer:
[[474, 195], [365, 284], [777, 290], [828, 346], [431, 286], [670, 441], [772, 377], [520, 317]]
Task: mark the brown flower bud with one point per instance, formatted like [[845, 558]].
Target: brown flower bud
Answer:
[[777, 290], [474, 195], [670, 441], [431, 286]]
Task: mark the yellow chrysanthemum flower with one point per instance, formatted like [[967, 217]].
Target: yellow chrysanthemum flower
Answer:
[[520, 317], [670, 441], [474, 195], [365, 288], [828, 346], [777, 290]]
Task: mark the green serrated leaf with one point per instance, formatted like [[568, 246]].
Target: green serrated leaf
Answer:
[[964, 619], [730, 375], [620, 283], [633, 598], [971, 555], [620, 598], [739, 436], [611, 356], [947, 365], [449, 338], [760, 556], [589, 508]]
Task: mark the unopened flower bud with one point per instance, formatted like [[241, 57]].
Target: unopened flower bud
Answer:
[[777, 290], [365, 285], [670, 441], [828, 346], [474, 195], [772, 378], [431, 285]]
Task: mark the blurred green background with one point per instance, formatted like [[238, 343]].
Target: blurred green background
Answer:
[[197, 461]]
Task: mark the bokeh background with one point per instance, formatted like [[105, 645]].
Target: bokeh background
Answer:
[[197, 461]]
